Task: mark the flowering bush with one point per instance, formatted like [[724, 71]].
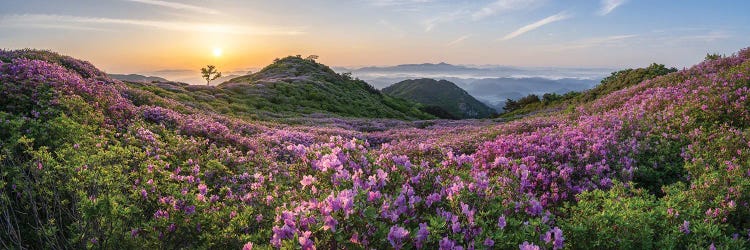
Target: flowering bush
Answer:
[[88, 162]]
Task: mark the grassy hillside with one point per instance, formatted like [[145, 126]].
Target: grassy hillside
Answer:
[[618, 80], [440, 96], [90, 162], [290, 87]]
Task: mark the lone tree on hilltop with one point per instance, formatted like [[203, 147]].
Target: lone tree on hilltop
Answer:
[[312, 58], [210, 73]]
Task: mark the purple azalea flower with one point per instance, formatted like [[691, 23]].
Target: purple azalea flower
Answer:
[[248, 246], [307, 180], [202, 188], [422, 234], [330, 223], [489, 242], [534, 208], [447, 244], [189, 209], [685, 227], [396, 236], [501, 222], [528, 246], [373, 196], [305, 241]]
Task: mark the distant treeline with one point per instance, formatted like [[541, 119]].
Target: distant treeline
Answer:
[[616, 81]]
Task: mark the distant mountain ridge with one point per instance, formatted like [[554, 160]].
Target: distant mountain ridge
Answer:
[[443, 94], [136, 78], [466, 75], [419, 67]]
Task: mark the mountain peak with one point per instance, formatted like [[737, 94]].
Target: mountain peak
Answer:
[[435, 67], [291, 68], [442, 94], [295, 85]]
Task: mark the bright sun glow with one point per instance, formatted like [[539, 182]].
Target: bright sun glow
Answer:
[[217, 52]]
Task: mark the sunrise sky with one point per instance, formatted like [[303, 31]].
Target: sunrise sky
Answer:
[[122, 36]]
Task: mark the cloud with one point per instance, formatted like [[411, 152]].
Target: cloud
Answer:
[[397, 2], [62, 21], [458, 40], [598, 41], [178, 6], [608, 6], [501, 6], [655, 38], [173, 71], [395, 29], [434, 21], [401, 5], [708, 37], [550, 19]]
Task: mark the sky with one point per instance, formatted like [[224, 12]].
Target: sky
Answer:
[[127, 36]]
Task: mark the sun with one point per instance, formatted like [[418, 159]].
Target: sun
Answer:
[[218, 52]]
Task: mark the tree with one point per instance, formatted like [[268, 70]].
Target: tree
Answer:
[[439, 112], [210, 73], [312, 58], [529, 99], [550, 97], [713, 56], [510, 105]]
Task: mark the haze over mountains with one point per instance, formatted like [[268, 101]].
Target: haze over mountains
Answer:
[[191, 76], [136, 78], [490, 84]]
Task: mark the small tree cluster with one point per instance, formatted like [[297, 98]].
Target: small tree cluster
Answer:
[[210, 73], [511, 105]]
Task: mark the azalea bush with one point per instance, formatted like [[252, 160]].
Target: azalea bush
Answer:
[[90, 162]]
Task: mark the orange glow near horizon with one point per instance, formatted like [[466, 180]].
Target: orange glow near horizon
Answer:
[[238, 35]]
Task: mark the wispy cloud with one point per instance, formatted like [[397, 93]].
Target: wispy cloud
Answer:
[[395, 29], [494, 8], [608, 6], [501, 6], [458, 40], [80, 22], [550, 19], [711, 36], [616, 40], [397, 2], [400, 5], [178, 6], [661, 38], [434, 21]]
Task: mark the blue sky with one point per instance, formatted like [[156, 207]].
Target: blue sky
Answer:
[[140, 35]]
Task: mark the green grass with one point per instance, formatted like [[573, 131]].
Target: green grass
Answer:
[[554, 102], [290, 87]]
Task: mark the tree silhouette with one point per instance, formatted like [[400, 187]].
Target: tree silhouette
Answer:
[[208, 72], [312, 58]]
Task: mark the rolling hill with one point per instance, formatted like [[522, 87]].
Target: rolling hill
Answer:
[[89, 162], [442, 94], [291, 87]]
